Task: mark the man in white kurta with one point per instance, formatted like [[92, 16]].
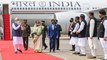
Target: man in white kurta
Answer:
[[74, 38], [82, 35], [102, 32], [92, 35], [17, 36]]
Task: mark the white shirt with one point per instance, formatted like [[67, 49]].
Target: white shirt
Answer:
[[105, 26], [91, 28], [53, 27], [81, 26], [76, 27]]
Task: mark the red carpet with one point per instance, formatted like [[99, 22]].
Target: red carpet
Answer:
[[7, 52], [6, 25]]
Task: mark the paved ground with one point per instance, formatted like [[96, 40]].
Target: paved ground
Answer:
[[65, 54]]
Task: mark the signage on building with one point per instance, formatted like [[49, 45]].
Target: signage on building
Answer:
[[43, 5]]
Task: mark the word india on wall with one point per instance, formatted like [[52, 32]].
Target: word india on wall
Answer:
[[44, 4]]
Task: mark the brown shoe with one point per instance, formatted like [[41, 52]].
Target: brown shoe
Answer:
[[91, 57], [16, 52]]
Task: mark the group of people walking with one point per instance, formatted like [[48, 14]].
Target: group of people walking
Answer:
[[21, 32], [82, 33]]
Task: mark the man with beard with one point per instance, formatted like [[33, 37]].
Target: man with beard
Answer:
[[102, 31]]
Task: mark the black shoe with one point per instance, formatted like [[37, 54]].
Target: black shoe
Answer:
[[54, 51], [91, 57], [26, 49], [16, 52], [45, 48], [57, 49], [76, 53], [73, 47], [82, 54], [19, 50]]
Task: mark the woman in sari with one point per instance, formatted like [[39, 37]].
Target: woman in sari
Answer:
[[37, 40]]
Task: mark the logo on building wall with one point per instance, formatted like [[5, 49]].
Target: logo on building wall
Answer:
[[42, 3]]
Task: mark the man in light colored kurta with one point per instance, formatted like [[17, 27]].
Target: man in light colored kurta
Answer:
[[74, 38], [82, 35], [102, 31], [92, 35], [17, 35]]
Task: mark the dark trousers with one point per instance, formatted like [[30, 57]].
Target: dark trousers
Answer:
[[57, 43], [43, 41], [69, 34], [25, 42], [52, 43]]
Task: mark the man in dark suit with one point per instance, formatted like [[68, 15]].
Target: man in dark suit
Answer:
[[59, 34], [26, 33], [52, 33], [44, 34]]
